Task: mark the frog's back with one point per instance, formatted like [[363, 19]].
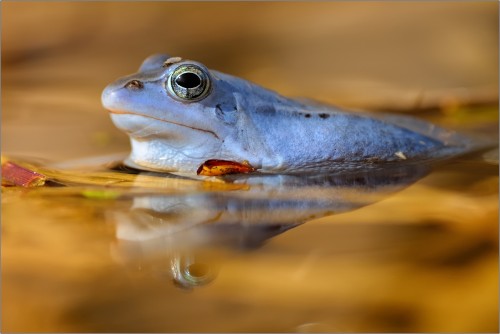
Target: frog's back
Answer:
[[305, 137]]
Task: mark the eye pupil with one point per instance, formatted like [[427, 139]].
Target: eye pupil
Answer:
[[188, 80]]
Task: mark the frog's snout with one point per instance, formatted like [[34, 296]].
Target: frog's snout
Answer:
[[115, 95], [109, 97]]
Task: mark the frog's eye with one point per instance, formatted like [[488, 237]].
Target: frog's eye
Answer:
[[189, 83]]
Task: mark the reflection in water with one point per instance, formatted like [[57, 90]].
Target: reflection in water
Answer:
[[188, 272], [406, 264], [177, 231]]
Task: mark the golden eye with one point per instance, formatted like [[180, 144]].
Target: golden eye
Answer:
[[189, 83]]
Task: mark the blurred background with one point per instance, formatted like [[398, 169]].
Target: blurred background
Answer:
[[57, 57], [424, 260]]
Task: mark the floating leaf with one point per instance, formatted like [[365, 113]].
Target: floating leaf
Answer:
[[224, 167], [20, 176]]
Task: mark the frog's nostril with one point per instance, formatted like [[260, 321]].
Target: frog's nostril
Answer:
[[134, 84]]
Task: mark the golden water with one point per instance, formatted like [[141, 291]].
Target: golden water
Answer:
[[111, 251]]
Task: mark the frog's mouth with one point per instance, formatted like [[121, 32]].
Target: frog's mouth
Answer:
[[121, 112]]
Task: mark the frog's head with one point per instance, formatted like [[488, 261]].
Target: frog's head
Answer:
[[176, 112]]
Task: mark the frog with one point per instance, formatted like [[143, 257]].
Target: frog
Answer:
[[179, 114]]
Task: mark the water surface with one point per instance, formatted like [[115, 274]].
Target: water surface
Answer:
[[402, 249]]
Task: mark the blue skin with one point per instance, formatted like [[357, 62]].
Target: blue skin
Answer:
[[240, 121]]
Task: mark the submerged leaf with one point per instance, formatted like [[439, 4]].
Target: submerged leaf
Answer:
[[100, 194]]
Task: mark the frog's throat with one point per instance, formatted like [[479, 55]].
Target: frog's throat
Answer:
[[157, 155], [121, 112]]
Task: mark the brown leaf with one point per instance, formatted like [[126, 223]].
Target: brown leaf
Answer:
[[216, 167]]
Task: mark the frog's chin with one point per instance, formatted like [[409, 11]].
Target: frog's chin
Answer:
[[136, 125]]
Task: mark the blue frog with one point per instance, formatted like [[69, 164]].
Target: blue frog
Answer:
[[179, 114]]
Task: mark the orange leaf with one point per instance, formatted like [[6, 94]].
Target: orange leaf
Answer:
[[222, 167]]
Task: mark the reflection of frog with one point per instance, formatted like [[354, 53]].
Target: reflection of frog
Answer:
[[179, 114], [183, 232]]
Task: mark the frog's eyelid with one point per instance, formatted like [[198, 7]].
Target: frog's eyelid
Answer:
[[171, 61]]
